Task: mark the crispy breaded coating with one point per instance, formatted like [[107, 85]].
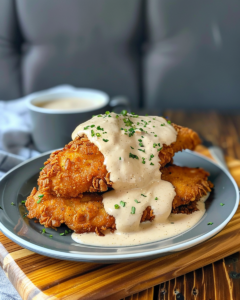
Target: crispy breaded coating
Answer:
[[190, 184], [84, 214], [79, 168], [186, 139], [75, 169], [186, 209], [87, 214]]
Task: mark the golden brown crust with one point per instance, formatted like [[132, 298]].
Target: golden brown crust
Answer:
[[186, 209], [75, 169], [79, 168], [186, 139], [190, 184], [85, 214]]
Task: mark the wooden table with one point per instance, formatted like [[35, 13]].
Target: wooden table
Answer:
[[219, 280]]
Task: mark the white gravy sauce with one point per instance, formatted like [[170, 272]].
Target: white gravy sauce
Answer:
[[130, 145], [67, 104]]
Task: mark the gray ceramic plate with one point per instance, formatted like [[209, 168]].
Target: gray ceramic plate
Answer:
[[18, 183]]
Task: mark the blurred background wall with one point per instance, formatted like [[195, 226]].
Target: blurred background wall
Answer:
[[159, 53]]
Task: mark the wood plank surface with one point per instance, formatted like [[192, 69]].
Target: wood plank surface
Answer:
[[205, 271]]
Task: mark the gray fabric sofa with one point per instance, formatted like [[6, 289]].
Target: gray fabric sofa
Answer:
[[159, 53]]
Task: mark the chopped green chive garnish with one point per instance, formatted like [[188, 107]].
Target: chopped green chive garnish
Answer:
[[24, 216], [131, 147], [156, 198], [140, 140], [163, 124], [92, 126], [99, 116], [44, 230], [105, 140], [98, 134], [151, 164], [92, 133], [210, 223], [154, 145], [133, 155], [159, 149], [62, 234], [222, 204], [127, 122], [117, 116], [137, 201], [169, 122], [99, 128], [122, 203], [124, 112], [50, 236], [12, 204], [141, 150], [93, 116], [41, 168], [40, 198], [154, 118], [120, 158], [131, 133], [66, 232], [116, 206], [85, 128], [143, 195], [155, 135], [146, 115], [107, 112], [151, 156], [133, 209], [143, 160], [131, 129], [24, 201], [141, 145]]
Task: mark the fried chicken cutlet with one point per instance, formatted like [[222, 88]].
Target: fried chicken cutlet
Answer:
[[87, 214], [79, 168], [190, 185]]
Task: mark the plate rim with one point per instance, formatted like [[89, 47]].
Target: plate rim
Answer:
[[122, 257]]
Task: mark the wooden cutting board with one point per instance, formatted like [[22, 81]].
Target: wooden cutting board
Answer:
[[38, 277]]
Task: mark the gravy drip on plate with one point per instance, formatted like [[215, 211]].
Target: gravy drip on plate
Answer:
[[130, 145]]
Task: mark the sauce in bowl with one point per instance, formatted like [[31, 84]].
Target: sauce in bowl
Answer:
[[67, 104]]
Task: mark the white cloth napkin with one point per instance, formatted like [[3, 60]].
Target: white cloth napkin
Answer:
[[15, 136]]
